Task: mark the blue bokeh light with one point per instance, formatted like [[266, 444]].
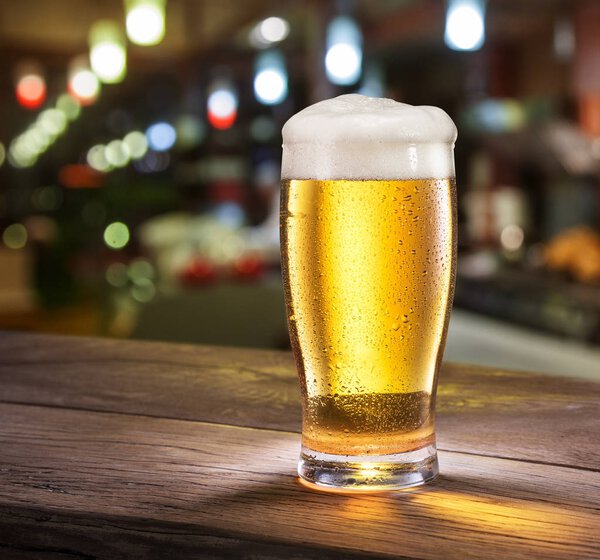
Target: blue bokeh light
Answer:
[[161, 136]]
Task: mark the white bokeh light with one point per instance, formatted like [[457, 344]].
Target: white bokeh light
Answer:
[[222, 103], [274, 29], [270, 78], [108, 61], [84, 85], [270, 87], [343, 60], [145, 25], [512, 237], [465, 28], [342, 63]]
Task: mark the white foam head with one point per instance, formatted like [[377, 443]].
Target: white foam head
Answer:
[[358, 137]]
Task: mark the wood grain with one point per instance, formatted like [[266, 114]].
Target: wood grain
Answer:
[[514, 415], [105, 485]]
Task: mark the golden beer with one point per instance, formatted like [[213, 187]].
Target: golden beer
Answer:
[[368, 245], [368, 274]]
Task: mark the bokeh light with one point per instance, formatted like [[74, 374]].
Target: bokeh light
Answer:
[[465, 27], [343, 64], [343, 60], [96, 158], [270, 81], [21, 154], [274, 29], [161, 136], [270, 87], [512, 237], [69, 106], [108, 58], [268, 31], [36, 140], [136, 143], [222, 105], [116, 235], [143, 290], [108, 62], [2, 154], [83, 83], [117, 153], [15, 236], [31, 91], [116, 275], [52, 121], [145, 21], [140, 268], [85, 86]]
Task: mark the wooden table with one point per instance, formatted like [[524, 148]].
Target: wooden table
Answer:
[[119, 450]]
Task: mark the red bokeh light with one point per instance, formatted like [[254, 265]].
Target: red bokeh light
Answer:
[[199, 271], [31, 91], [249, 267], [222, 122], [80, 176]]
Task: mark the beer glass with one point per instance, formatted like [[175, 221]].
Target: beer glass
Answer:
[[368, 241]]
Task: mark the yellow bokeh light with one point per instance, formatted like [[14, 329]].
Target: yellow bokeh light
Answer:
[[2, 154]]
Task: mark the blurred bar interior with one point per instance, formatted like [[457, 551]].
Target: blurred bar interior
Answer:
[[140, 147]]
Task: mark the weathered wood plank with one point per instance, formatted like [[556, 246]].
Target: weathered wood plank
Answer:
[[77, 477], [508, 414], [27, 534]]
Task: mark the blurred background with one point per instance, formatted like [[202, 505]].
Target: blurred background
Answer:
[[140, 147]]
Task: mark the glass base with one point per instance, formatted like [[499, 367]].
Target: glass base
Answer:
[[368, 473]]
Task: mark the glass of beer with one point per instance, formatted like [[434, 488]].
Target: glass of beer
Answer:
[[368, 234]]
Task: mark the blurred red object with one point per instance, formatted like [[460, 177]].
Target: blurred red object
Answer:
[[80, 176], [31, 91], [226, 191], [249, 268], [222, 123], [198, 272]]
